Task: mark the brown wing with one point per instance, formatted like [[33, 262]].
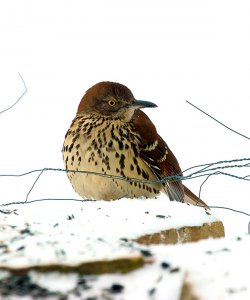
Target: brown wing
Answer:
[[156, 153]]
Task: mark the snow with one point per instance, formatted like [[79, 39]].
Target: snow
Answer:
[[215, 269], [88, 231], [55, 281], [70, 234], [153, 282]]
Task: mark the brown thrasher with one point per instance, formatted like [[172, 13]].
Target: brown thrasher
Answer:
[[110, 135]]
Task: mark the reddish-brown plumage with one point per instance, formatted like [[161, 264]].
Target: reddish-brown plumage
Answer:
[[109, 118], [169, 165], [101, 91]]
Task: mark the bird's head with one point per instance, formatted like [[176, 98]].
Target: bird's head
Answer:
[[112, 100]]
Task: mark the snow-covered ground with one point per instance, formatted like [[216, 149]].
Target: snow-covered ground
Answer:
[[76, 229], [47, 251]]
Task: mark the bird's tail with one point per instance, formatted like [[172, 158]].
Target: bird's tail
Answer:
[[190, 197]]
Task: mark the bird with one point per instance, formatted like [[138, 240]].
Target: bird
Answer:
[[112, 150]]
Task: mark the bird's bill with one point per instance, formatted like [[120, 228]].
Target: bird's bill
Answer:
[[143, 103]]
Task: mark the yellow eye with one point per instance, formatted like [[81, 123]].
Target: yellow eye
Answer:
[[111, 102]]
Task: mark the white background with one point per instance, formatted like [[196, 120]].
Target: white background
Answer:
[[164, 51]]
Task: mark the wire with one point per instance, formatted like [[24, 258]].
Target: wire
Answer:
[[25, 91], [218, 121]]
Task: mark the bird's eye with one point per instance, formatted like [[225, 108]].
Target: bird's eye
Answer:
[[111, 102]]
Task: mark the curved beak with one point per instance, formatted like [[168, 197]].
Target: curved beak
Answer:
[[142, 104]]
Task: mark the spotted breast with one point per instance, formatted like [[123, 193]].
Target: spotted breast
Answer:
[[99, 146]]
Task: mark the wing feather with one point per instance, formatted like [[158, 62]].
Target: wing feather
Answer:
[[156, 153]]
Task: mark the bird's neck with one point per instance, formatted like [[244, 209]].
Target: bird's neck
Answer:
[[124, 116]]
